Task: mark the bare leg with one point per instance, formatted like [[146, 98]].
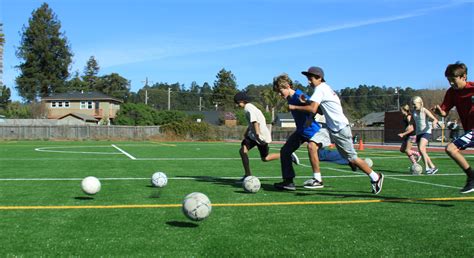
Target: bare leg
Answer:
[[245, 160], [313, 156], [453, 151]]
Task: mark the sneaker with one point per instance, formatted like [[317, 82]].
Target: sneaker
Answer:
[[469, 187], [313, 184], [295, 158], [377, 185], [431, 171], [353, 166], [285, 185]]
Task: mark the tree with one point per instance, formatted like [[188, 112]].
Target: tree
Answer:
[[2, 43], [90, 74], [224, 90], [273, 100], [46, 56], [4, 96], [114, 85], [135, 114], [76, 84]]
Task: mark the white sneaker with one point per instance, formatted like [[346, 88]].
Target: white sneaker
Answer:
[[295, 158], [313, 184]]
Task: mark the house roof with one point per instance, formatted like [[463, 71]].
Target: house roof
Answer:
[[75, 95], [83, 117], [373, 118]]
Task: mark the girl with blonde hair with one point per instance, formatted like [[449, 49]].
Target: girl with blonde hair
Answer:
[[422, 117], [408, 136]]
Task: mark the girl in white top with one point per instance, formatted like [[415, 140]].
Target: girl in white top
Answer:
[[422, 117]]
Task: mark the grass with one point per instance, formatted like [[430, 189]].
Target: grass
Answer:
[[413, 216]]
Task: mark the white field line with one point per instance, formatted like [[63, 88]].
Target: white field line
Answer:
[[124, 152], [211, 177], [424, 183], [50, 149]]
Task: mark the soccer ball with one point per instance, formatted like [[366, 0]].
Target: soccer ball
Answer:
[[90, 185], [159, 179], [369, 162], [416, 169], [251, 184], [196, 206]]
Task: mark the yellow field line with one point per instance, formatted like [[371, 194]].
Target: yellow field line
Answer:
[[135, 206]]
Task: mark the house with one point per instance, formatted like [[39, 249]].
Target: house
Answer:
[[79, 104], [77, 118], [373, 119], [285, 120]]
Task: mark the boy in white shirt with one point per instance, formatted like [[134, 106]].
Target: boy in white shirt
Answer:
[[256, 134], [338, 125]]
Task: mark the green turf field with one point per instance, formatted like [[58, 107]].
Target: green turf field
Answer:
[[43, 211]]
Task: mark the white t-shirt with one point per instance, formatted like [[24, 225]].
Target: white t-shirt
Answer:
[[253, 114], [331, 106]]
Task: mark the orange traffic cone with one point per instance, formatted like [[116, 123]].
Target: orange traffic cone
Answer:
[[361, 144]]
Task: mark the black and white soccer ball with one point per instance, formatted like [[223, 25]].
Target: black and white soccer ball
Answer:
[[251, 184], [159, 179], [196, 206], [416, 169]]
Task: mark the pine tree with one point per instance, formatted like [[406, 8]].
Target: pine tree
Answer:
[[46, 56], [2, 43], [90, 74], [224, 90]]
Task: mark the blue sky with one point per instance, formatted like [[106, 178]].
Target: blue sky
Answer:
[[384, 43]]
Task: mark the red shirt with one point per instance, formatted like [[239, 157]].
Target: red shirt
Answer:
[[463, 100]]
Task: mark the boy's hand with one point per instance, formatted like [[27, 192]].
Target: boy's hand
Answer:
[[291, 107]]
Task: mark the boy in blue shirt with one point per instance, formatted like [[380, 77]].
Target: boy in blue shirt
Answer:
[[304, 133]]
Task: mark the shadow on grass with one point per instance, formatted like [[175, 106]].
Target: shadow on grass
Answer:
[[216, 180], [84, 198], [181, 224]]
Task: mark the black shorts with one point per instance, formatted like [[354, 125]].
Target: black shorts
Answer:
[[263, 149]]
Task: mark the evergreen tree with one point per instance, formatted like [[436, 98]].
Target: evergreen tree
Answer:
[[5, 95], [90, 74], [224, 90], [114, 85], [2, 43], [46, 56], [76, 84]]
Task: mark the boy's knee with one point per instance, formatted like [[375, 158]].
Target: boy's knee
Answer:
[[451, 148], [312, 147], [243, 150]]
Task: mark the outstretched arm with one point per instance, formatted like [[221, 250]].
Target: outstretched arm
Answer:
[[311, 108]]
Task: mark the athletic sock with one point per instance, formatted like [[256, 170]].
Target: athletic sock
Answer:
[[412, 158], [374, 177], [469, 172], [317, 176]]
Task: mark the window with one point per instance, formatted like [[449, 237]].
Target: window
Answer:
[[66, 104], [53, 104], [86, 105], [60, 104]]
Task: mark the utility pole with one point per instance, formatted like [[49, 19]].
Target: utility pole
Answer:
[[200, 103], [146, 90], [169, 98], [398, 97]]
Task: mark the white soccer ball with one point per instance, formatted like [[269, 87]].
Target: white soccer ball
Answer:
[[90, 185], [159, 179], [369, 162], [251, 184], [416, 169], [196, 206]]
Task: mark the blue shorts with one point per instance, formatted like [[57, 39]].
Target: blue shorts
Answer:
[[465, 141], [427, 136]]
